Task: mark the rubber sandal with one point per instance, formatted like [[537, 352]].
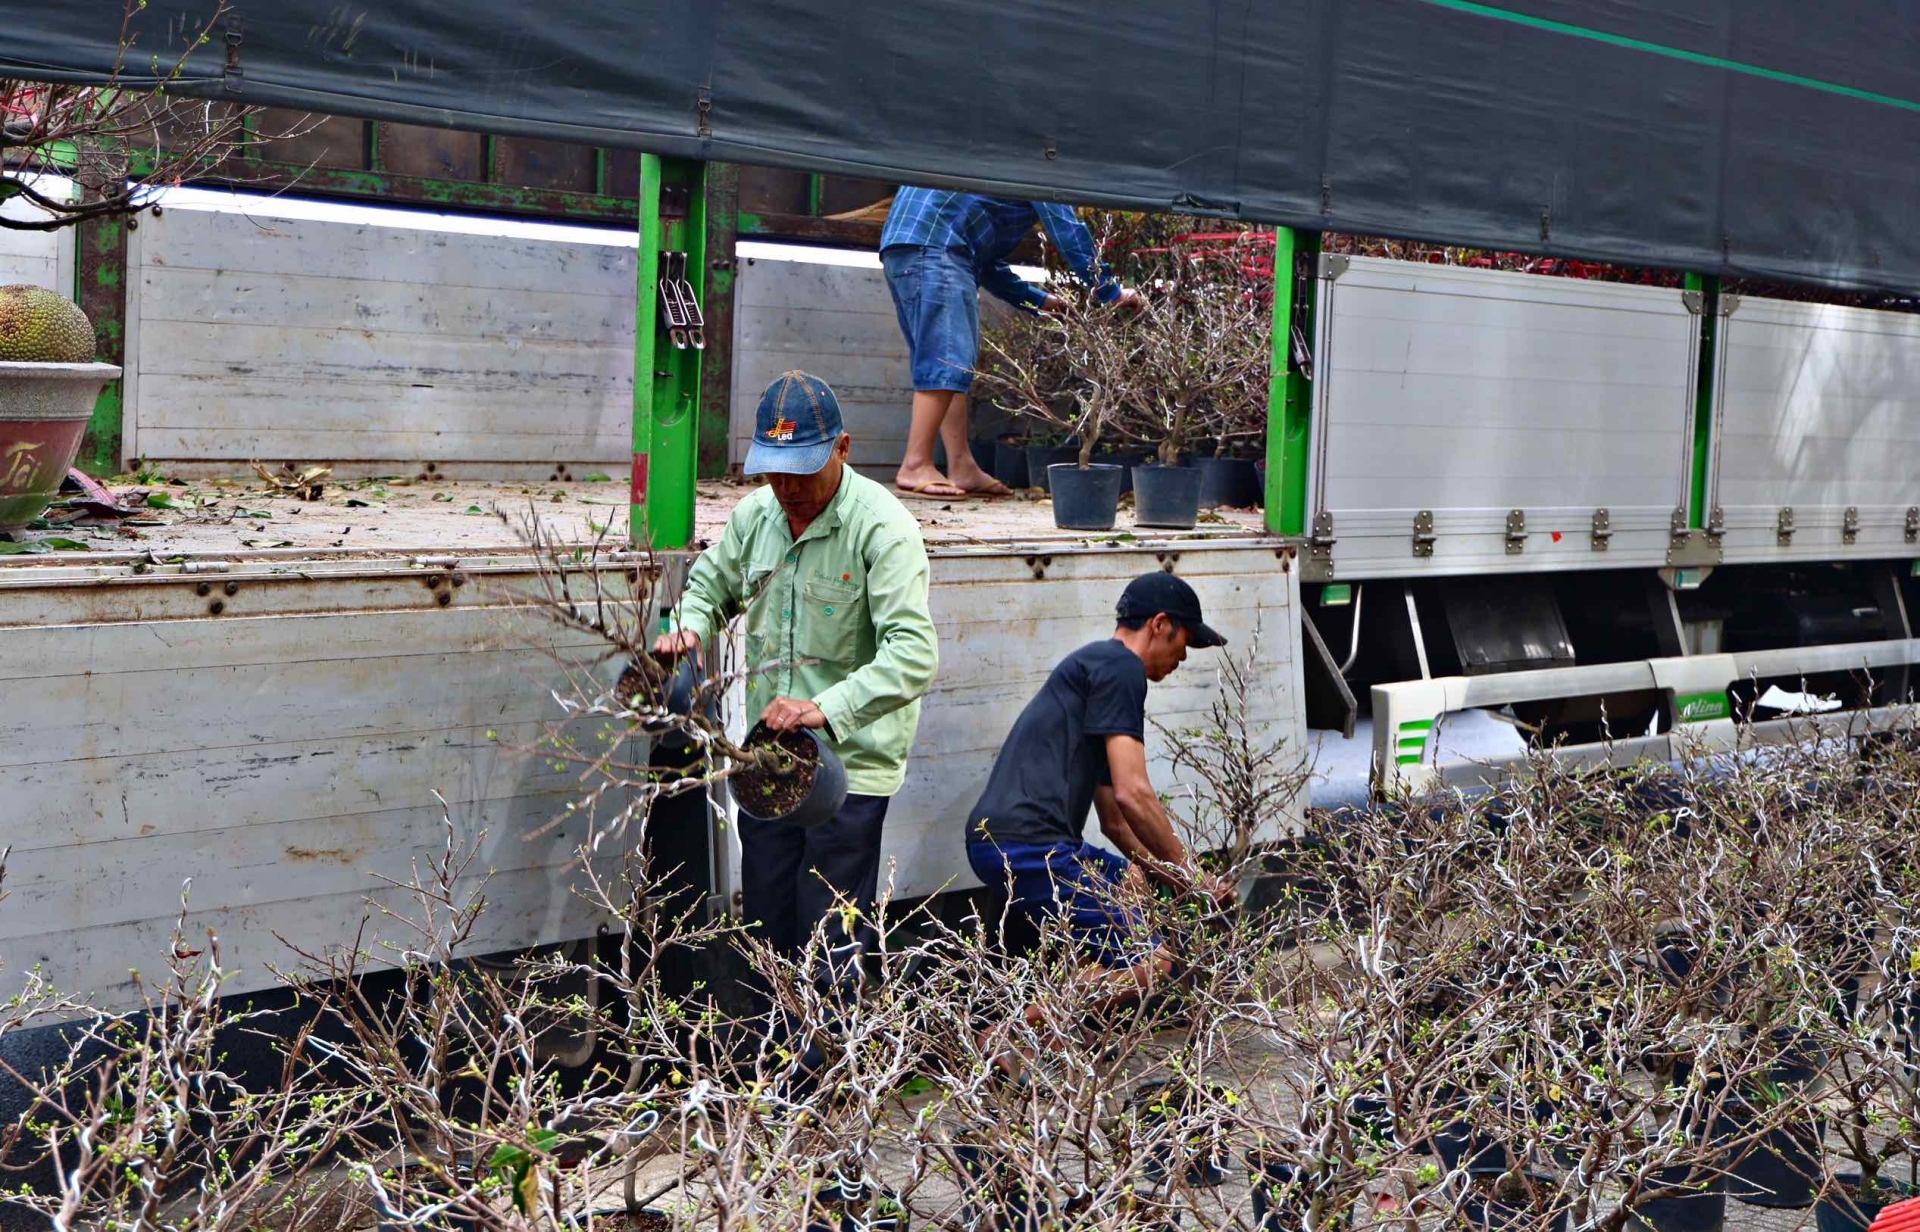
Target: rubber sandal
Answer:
[[923, 491]]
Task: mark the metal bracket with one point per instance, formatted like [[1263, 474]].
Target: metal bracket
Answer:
[[703, 110], [1695, 301], [1602, 529], [1783, 527], [1716, 524], [679, 311], [1332, 265], [1423, 536], [1684, 550], [1320, 546], [233, 77], [1913, 523], [1850, 525], [1516, 531], [1729, 304]]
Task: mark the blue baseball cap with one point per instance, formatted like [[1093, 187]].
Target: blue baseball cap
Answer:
[[796, 427]]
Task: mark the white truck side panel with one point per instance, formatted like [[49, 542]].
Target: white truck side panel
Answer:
[[1819, 412], [1002, 630], [388, 346], [286, 764], [1472, 393], [37, 258]]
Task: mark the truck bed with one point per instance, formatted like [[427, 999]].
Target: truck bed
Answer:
[[374, 519]]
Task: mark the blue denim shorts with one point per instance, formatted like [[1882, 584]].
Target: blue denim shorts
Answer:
[[1078, 881], [937, 298]]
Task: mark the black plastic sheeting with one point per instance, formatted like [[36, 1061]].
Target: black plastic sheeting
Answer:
[[1770, 138]]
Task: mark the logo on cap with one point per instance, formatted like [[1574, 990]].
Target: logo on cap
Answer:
[[782, 429]]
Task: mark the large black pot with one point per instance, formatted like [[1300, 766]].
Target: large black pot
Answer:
[[1010, 462], [1166, 496], [1233, 482], [1843, 1210], [823, 800], [1490, 1214], [1084, 499], [1780, 1169], [1704, 1209]]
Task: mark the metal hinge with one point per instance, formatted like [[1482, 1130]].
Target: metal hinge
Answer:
[[1850, 525], [1516, 531], [1913, 523], [1423, 535], [1783, 527], [1677, 527], [232, 78], [1320, 542], [1332, 265], [1602, 529], [1716, 523]]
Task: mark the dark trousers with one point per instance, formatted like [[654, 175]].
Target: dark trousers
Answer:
[[789, 876]]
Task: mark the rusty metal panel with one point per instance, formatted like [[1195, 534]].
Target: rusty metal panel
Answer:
[[312, 140], [839, 195], [434, 153], [768, 190], [544, 164]]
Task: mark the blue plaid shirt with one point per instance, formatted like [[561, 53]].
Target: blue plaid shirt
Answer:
[[986, 229]]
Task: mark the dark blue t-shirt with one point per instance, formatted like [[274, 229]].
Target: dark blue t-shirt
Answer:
[[1042, 783]]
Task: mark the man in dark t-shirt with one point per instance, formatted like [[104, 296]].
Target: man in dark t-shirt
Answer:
[[1080, 745]]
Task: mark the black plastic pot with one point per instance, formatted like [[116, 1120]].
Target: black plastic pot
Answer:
[[1010, 462], [1702, 1210], [1260, 472], [1084, 499], [1040, 457], [578, 1222], [1459, 1145], [1781, 1169], [1166, 496], [1482, 1211], [1233, 482], [1280, 1198], [828, 793], [983, 454], [1125, 460], [1842, 1210], [844, 1207]]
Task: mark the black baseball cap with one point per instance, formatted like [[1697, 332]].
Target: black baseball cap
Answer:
[[1153, 593]]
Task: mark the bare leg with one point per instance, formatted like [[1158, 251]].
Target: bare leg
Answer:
[[917, 471], [961, 468]]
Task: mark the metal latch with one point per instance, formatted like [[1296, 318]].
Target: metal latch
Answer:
[[233, 77], [1913, 523], [686, 326], [1677, 527], [1423, 535], [1602, 529], [1516, 531], [1783, 527], [1716, 523], [1320, 541], [1850, 525]]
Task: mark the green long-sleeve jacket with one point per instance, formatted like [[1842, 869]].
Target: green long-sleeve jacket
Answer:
[[839, 617]]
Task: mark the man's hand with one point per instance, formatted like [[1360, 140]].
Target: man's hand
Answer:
[[1053, 304], [679, 642], [1130, 301], [791, 714], [1222, 890]]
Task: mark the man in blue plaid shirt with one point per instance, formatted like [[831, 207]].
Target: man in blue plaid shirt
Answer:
[[940, 249]]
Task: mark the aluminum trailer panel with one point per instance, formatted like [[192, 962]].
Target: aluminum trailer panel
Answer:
[[1527, 423], [1817, 430]]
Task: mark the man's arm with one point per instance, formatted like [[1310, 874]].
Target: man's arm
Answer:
[[1076, 246], [1000, 280], [906, 647], [712, 596], [1145, 818]]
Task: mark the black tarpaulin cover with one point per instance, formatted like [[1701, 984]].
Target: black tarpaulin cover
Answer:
[[1764, 137]]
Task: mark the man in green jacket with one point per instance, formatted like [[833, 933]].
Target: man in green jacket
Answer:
[[830, 573]]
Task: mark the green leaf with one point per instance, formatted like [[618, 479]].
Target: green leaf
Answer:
[[475, 509], [597, 477], [66, 545], [160, 500], [30, 548], [443, 496], [544, 1139]]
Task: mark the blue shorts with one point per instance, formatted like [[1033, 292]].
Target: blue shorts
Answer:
[[937, 298], [1078, 881]]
